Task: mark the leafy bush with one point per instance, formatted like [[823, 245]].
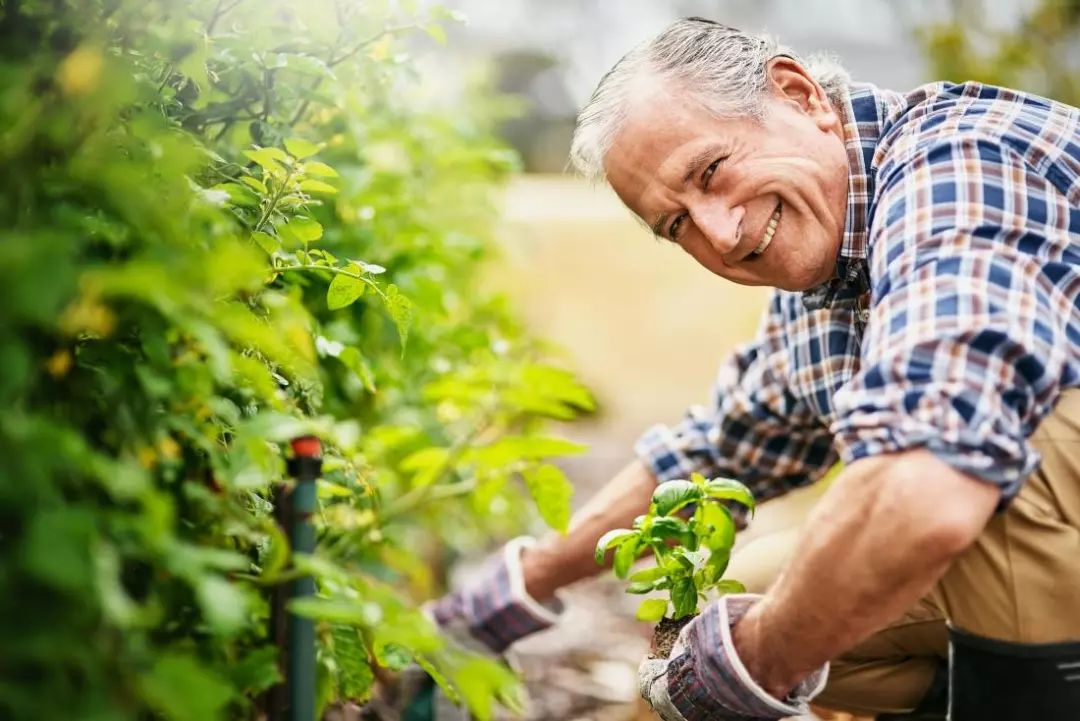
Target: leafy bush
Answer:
[[691, 554], [224, 223]]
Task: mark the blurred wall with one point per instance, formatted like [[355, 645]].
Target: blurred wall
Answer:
[[552, 52]]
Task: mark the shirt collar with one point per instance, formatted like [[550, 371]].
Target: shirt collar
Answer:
[[864, 114]]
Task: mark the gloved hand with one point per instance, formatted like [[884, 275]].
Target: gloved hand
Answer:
[[487, 616], [703, 678], [495, 610]]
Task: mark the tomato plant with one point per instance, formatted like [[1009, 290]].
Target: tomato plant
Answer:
[[691, 553], [224, 223]]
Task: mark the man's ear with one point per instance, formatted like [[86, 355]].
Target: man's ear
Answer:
[[787, 80]]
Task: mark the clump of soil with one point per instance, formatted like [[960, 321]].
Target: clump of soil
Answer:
[[666, 634]]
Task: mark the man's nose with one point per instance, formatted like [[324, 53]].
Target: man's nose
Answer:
[[721, 224]]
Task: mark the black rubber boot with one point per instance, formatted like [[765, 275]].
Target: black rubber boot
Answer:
[[994, 680]]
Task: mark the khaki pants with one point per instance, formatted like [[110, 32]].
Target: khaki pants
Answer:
[[1020, 581]]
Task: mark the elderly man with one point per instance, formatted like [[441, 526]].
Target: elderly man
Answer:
[[925, 330]]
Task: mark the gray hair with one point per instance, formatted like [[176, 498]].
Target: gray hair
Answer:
[[722, 67]]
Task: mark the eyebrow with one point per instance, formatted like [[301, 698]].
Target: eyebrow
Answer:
[[694, 168]]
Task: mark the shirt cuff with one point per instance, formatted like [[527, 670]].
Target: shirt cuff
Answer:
[[664, 453]]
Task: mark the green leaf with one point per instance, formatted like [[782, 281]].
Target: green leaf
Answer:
[[57, 547], [673, 529], [427, 463], [727, 489], [716, 565], [401, 312], [319, 170], [551, 491], [719, 526], [266, 241], [684, 598], [254, 183], [639, 587], [223, 605], [300, 148], [237, 194], [317, 186], [355, 677], [256, 672], [267, 158], [612, 538], [651, 610], [300, 230], [625, 555], [344, 290], [730, 586], [672, 496], [648, 575], [512, 449], [358, 613], [181, 689], [393, 656]]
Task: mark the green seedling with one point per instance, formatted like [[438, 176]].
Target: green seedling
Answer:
[[691, 552]]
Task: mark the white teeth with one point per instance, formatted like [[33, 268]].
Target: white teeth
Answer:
[[770, 231]]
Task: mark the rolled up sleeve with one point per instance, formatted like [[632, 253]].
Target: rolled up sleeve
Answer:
[[755, 430], [967, 340]]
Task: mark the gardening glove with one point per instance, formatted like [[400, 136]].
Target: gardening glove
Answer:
[[703, 677], [495, 610], [486, 616]]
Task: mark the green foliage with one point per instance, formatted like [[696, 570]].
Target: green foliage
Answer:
[[224, 223], [1035, 55], [691, 553]]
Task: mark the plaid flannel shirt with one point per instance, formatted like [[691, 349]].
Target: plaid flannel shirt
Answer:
[[952, 323]]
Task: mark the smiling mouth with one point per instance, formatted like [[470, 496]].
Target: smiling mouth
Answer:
[[770, 231]]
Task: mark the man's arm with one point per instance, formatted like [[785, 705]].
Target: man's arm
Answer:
[[562, 560], [884, 533]]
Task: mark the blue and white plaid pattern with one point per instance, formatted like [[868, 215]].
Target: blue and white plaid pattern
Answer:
[[964, 227]]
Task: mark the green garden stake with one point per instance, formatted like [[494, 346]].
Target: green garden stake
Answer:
[[305, 466]]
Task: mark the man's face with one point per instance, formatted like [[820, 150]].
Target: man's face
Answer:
[[756, 202]]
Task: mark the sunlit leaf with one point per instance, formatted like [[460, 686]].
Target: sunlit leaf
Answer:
[[268, 159], [344, 290], [319, 170], [625, 555], [552, 492], [651, 610], [317, 186], [300, 230], [359, 613], [610, 539], [729, 490], [266, 241], [300, 148], [672, 496], [684, 598], [254, 183]]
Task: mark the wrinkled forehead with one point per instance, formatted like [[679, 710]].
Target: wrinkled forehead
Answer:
[[658, 129]]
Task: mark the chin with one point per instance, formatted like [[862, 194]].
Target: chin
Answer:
[[806, 278]]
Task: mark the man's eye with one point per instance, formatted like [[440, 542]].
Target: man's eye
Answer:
[[673, 229], [710, 170]]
